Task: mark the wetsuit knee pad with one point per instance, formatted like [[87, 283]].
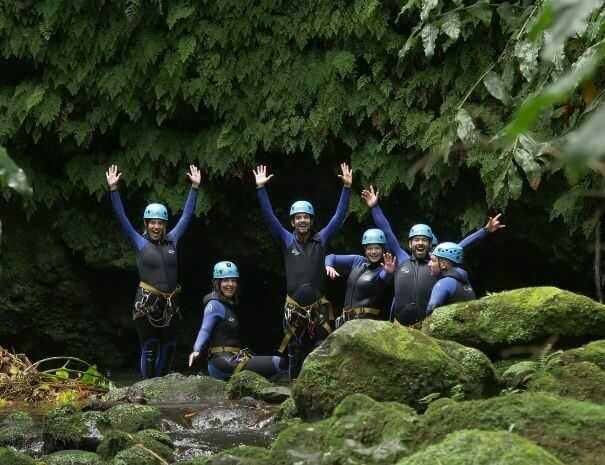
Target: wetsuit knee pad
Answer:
[[165, 358], [149, 353]]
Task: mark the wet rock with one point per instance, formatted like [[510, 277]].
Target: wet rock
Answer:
[[135, 455], [570, 430], [132, 417], [66, 428], [230, 418], [242, 455], [246, 383], [117, 441], [389, 363], [176, 388], [117, 395], [12, 457], [508, 321], [482, 448], [275, 394], [17, 430], [73, 457]]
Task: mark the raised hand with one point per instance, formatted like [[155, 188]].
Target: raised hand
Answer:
[[260, 175], [192, 357], [113, 176], [389, 262], [493, 224], [195, 176], [331, 272], [347, 175], [370, 196]]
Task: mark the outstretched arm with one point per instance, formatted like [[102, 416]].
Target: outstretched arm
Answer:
[[195, 177], [442, 290], [342, 262], [113, 176], [343, 205], [277, 230], [213, 313], [493, 225], [371, 198]]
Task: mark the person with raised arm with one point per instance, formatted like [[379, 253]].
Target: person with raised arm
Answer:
[[155, 304], [307, 312]]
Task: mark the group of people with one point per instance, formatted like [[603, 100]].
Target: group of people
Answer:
[[427, 277]]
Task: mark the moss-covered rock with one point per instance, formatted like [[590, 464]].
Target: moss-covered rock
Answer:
[[17, 430], [117, 441], [135, 455], [246, 383], [569, 429], [482, 448], [73, 457], [593, 353], [520, 317], [389, 363], [287, 410], [12, 457], [133, 417], [582, 381], [242, 455], [66, 428], [175, 388], [361, 432]]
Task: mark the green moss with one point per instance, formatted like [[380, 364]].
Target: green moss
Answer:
[[16, 430], [133, 417], [73, 457], [12, 457], [66, 428], [482, 448], [388, 363], [518, 317], [242, 455], [287, 410], [582, 381], [135, 455], [114, 442], [593, 353], [571, 430], [246, 383], [176, 388]]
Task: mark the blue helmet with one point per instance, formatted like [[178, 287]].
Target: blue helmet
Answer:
[[302, 206], [421, 230], [450, 251], [155, 211], [434, 240], [373, 236], [225, 269]]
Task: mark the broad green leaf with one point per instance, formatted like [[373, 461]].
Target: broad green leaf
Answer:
[[529, 165], [427, 6], [589, 139], [13, 176], [495, 86], [62, 373], [451, 26], [466, 127], [178, 11], [92, 376], [410, 42], [34, 98], [429, 35], [482, 11], [557, 92], [407, 7], [569, 18], [527, 54], [515, 183]]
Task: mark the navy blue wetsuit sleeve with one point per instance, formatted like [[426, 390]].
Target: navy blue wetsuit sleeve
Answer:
[[339, 216], [213, 313], [137, 239], [478, 235], [384, 276], [392, 243], [344, 262], [277, 230], [188, 210], [442, 290]]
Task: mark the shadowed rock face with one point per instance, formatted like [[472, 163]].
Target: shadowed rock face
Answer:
[[389, 363], [502, 322], [482, 448]]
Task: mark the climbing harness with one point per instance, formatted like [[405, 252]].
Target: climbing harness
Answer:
[[356, 313], [299, 319], [158, 307], [240, 356]]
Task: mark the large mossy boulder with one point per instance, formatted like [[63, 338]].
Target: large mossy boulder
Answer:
[[11, 457], [242, 455], [117, 441], [17, 430], [571, 430], [67, 428], [133, 417], [246, 383], [73, 457], [388, 363], [592, 353], [482, 448], [522, 317], [176, 388]]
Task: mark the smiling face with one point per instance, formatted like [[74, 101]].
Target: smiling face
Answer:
[[374, 252], [156, 229], [420, 246], [301, 222], [228, 287]]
